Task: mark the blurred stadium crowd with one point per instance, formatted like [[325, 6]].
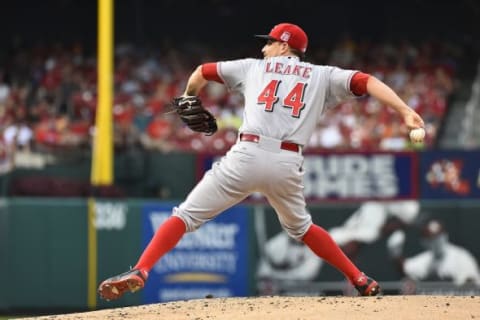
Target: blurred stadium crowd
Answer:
[[48, 97]]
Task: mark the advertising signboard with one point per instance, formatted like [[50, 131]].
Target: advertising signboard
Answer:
[[212, 261], [450, 175], [354, 176]]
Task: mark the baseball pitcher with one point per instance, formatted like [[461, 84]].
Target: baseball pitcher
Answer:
[[284, 99]]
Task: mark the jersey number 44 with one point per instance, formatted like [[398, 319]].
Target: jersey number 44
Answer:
[[293, 100]]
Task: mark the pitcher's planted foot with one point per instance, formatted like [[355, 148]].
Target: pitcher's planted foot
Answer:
[[366, 286]]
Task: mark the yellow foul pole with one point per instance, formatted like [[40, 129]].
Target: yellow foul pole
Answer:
[[102, 153], [102, 146]]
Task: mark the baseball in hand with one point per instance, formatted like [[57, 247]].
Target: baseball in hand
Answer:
[[417, 135]]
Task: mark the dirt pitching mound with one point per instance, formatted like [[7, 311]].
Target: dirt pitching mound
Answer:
[[275, 308]]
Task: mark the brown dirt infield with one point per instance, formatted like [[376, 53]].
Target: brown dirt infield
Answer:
[[293, 308]]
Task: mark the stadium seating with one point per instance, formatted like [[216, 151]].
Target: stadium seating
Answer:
[[49, 95]]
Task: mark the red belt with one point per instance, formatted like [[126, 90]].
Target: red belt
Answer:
[[284, 145]]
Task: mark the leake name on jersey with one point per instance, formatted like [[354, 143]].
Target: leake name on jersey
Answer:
[[295, 70]]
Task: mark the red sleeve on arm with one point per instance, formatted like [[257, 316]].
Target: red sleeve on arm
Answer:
[[358, 84], [209, 72]]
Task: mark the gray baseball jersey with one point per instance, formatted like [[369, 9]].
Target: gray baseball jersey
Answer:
[[284, 99]]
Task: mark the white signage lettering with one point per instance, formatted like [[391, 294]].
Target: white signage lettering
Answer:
[[213, 235], [209, 249], [110, 216], [350, 176]]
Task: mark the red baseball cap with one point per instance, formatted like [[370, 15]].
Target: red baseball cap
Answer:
[[289, 33]]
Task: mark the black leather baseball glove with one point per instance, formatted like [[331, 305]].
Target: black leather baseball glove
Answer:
[[194, 115]]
